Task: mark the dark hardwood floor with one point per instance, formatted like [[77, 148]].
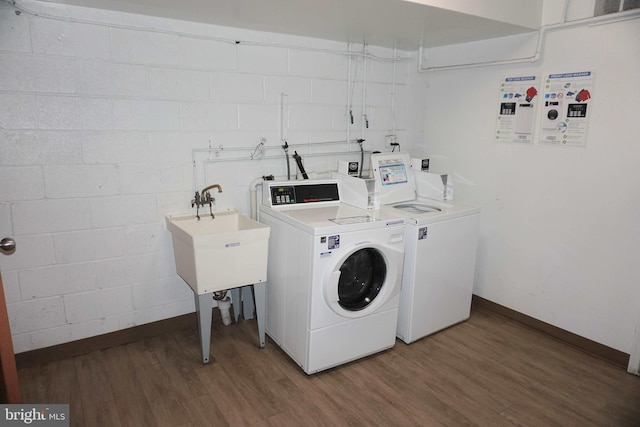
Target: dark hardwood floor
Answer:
[[487, 371]]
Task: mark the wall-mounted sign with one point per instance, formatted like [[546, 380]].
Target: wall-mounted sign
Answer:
[[566, 108], [517, 109]]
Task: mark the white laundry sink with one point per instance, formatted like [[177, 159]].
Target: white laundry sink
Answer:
[[224, 252]]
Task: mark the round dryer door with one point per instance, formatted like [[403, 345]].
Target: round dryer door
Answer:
[[362, 275], [363, 279]]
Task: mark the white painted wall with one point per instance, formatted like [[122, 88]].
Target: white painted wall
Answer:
[[97, 127], [559, 229], [98, 123]]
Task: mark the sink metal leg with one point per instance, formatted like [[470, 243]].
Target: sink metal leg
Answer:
[[247, 303], [260, 295], [204, 309], [235, 302], [242, 299]]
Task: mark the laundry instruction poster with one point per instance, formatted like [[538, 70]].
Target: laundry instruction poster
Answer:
[[517, 109], [566, 108]]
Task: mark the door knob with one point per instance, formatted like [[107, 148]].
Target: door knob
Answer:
[[7, 245]]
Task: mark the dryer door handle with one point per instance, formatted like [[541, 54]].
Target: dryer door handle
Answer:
[[331, 288]]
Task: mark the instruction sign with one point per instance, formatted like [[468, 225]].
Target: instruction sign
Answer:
[[566, 108], [517, 109]]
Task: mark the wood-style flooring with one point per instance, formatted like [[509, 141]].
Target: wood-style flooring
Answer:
[[487, 371]]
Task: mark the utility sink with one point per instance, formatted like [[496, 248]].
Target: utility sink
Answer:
[[223, 252]]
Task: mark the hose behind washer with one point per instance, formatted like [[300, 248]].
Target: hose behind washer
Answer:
[[298, 159], [360, 141], [285, 147]]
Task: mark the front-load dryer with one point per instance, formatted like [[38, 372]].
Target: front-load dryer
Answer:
[[334, 275], [440, 251]]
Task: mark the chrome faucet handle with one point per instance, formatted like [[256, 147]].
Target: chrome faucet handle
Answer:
[[196, 200], [208, 200]]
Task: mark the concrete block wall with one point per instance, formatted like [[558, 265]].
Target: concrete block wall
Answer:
[[99, 115]]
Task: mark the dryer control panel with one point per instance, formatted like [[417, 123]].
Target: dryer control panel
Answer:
[[299, 193]]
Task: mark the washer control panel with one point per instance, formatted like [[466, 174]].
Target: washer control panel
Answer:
[[298, 193]]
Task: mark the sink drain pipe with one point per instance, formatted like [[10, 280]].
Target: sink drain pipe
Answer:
[[224, 304], [225, 310]]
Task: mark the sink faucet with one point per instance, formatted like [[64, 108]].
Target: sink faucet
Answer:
[[204, 198], [206, 189]]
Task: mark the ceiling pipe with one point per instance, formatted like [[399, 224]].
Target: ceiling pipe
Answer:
[[594, 21], [19, 7]]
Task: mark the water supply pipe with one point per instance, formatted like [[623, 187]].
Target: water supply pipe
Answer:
[[365, 119], [588, 22], [253, 194]]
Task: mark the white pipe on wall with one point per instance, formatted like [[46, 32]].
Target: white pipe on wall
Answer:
[[597, 20], [634, 358], [21, 8], [393, 96], [349, 113], [364, 91], [284, 113]]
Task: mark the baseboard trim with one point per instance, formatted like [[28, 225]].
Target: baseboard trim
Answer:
[[137, 333], [100, 342], [599, 350]]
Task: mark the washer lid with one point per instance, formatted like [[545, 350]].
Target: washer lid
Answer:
[[416, 207], [394, 178], [353, 219]]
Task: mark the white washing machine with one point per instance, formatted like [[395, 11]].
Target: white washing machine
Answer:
[[440, 251], [333, 277]]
